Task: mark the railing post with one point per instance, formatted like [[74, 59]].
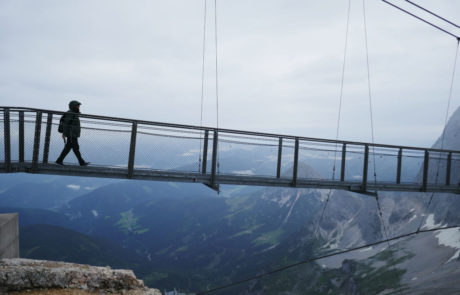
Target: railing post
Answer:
[[398, 172], [448, 168], [36, 151], [365, 167], [342, 169], [46, 149], [296, 162], [214, 158], [21, 137], [132, 150], [425, 170], [205, 152], [7, 135], [280, 153]]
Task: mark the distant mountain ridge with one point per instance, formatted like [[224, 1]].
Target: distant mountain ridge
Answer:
[[451, 138]]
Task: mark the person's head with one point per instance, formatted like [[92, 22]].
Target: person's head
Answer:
[[74, 106]]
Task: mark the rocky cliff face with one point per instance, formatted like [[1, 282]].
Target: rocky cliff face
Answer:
[[26, 274], [451, 140], [448, 140]]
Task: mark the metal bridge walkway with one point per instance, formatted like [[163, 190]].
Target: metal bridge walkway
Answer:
[[134, 149]]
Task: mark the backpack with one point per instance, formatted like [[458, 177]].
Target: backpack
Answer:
[[61, 124]]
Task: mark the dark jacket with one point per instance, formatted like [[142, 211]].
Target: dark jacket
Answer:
[[71, 126]]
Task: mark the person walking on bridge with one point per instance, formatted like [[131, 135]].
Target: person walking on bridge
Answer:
[[71, 132]]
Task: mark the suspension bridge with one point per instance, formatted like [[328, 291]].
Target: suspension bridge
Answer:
[[145, 150], [135, 149]]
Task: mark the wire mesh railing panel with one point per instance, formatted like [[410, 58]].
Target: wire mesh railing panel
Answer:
[[386, 164], [14, 136], [317, 159], [354, 163], [57, 143], [412, 166], [455, 170], [210, 154], [287, 158], [104, 143], [29, 135], [42, 137], [437, 168], [247, 155], [160, 148]]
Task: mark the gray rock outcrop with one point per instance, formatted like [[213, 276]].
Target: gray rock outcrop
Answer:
[[27, 274]]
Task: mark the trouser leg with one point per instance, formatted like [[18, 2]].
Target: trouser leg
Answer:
[[65, 151], [76, 150], [72, 144]]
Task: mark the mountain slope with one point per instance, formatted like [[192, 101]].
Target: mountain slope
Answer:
[[49, 242], [29, 216], [214, 239], [23, 190]]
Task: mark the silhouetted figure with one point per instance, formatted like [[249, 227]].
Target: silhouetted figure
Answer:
[[71, 132]]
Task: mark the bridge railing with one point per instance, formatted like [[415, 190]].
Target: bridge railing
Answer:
[[29, 140]]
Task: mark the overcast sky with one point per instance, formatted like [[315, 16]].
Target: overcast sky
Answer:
[[279, 64]]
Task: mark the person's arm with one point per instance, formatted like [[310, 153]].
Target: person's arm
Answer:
[[68, 121]]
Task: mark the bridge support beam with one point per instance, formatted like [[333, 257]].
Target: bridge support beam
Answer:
[[365, 167], [398, 172], [342, 166], [21, 137], [132, 150], [296, 162], [36, 151], [7, 135], [426, 162], [46, 150], [448, 168], [205, 152], [280, 153]]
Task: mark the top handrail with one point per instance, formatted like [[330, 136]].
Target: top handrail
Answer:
[[241, 132]]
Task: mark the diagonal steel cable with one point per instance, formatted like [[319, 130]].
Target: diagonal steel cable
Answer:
[[432, 13], [443, 132], [313, 259]]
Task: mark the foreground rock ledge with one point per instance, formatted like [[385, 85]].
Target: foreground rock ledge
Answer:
[[27, 274]]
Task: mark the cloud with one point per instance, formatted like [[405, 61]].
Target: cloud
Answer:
[[280, 64], [73, 187]]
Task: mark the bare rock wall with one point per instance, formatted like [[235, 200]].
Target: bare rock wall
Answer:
[[27, 274]]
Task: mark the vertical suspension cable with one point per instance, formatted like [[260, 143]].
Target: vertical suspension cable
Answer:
[[343, 76], [370, 93], [338, 118], [379, 208], [202, 80], [443, 132], [217, 77]]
